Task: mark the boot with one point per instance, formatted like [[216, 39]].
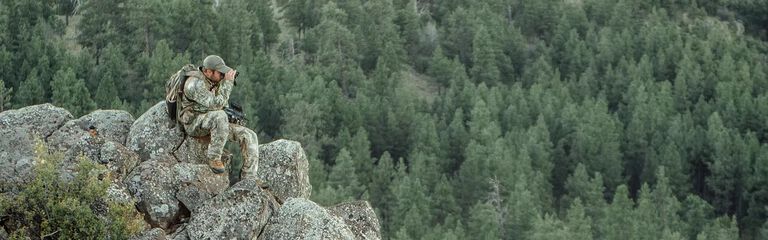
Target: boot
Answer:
[[216, 166]]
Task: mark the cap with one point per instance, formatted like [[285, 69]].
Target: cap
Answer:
[[216, 63]]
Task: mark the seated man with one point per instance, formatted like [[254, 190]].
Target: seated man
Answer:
[[206, 93]]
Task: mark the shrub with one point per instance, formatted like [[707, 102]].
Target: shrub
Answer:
[[56, 207]]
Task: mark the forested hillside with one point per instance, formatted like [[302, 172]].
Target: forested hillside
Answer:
[[456, 119]]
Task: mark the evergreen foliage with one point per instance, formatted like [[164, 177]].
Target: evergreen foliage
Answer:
[[456, 119], [53, 207]]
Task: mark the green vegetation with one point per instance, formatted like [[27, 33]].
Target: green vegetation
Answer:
[[535, 119], [52, 206]]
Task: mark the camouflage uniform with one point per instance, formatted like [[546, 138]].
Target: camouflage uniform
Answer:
[[202, 114]]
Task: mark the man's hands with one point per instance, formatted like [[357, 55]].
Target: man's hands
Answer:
[[230, 75]]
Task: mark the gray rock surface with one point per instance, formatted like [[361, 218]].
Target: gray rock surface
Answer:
[[360, 218], [118, 193], [197, 183], [167, 191], [111, 125], [300, 218], [284, 166], [17, 157], [239, 213], [41, 119], [193, 149], [154, 186], [150, 135], [118, 158], [151, 234]]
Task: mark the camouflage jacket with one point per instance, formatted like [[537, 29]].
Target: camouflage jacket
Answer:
[[201, 95]]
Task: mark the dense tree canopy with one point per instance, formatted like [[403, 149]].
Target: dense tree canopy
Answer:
[[456, 119]]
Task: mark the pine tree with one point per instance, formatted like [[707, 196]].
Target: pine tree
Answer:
[[482, 222], [411, 206], [484, 55], [619, 221], [578, 223], [726, 165], [162, 64], [722, 228], [103, 22], [5, 96], [342, 175], [106, 94], [70, 93], [548, 227], [444, 200], [589, 189], [30, 92], [696, 213]]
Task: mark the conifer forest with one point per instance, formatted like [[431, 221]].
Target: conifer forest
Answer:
[[455, 119]]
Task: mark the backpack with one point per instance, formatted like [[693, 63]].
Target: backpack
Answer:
[[174, 91]]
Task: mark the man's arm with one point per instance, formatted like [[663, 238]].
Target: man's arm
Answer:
[[196, 90]]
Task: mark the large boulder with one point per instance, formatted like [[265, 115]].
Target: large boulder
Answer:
[[74, 140], [154, 185], [284, 166], [151, 135], [151, 234], [119, 159], [111, 125], [17, 157], [239, 213], [300, 218], [42, 120], [164, 190], [197, 183], [360, 218], [193, 149]]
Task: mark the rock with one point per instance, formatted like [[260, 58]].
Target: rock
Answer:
[[193, 149], [241, 212], [118, 193], [197, 183], [284, 167], [151, 234], [17, 157], [150, 135], [119, 159], [360, 218], [180, 234], [167, 191], [111, 125], [154, 185], [75, 141], [300, 218], [41, 119]]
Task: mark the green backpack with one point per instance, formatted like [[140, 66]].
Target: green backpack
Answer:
[[174, 91]]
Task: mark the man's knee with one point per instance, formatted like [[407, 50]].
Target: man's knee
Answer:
[[218, 116]]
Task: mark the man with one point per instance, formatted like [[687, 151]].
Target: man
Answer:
[[206, 93]]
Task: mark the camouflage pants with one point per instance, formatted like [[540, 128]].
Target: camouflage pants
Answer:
[[216, 124]]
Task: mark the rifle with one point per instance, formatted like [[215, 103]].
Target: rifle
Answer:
[[235, 114]]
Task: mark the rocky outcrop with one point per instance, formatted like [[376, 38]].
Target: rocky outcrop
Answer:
[[165, 175], [152, 234], [150, 135], [111, 125], [166, 192], [360, 218], [20, 129], [153, 184], [300, 218], [285, 167], [17, 157], [239, 213], [42, 120], [101, 144]]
